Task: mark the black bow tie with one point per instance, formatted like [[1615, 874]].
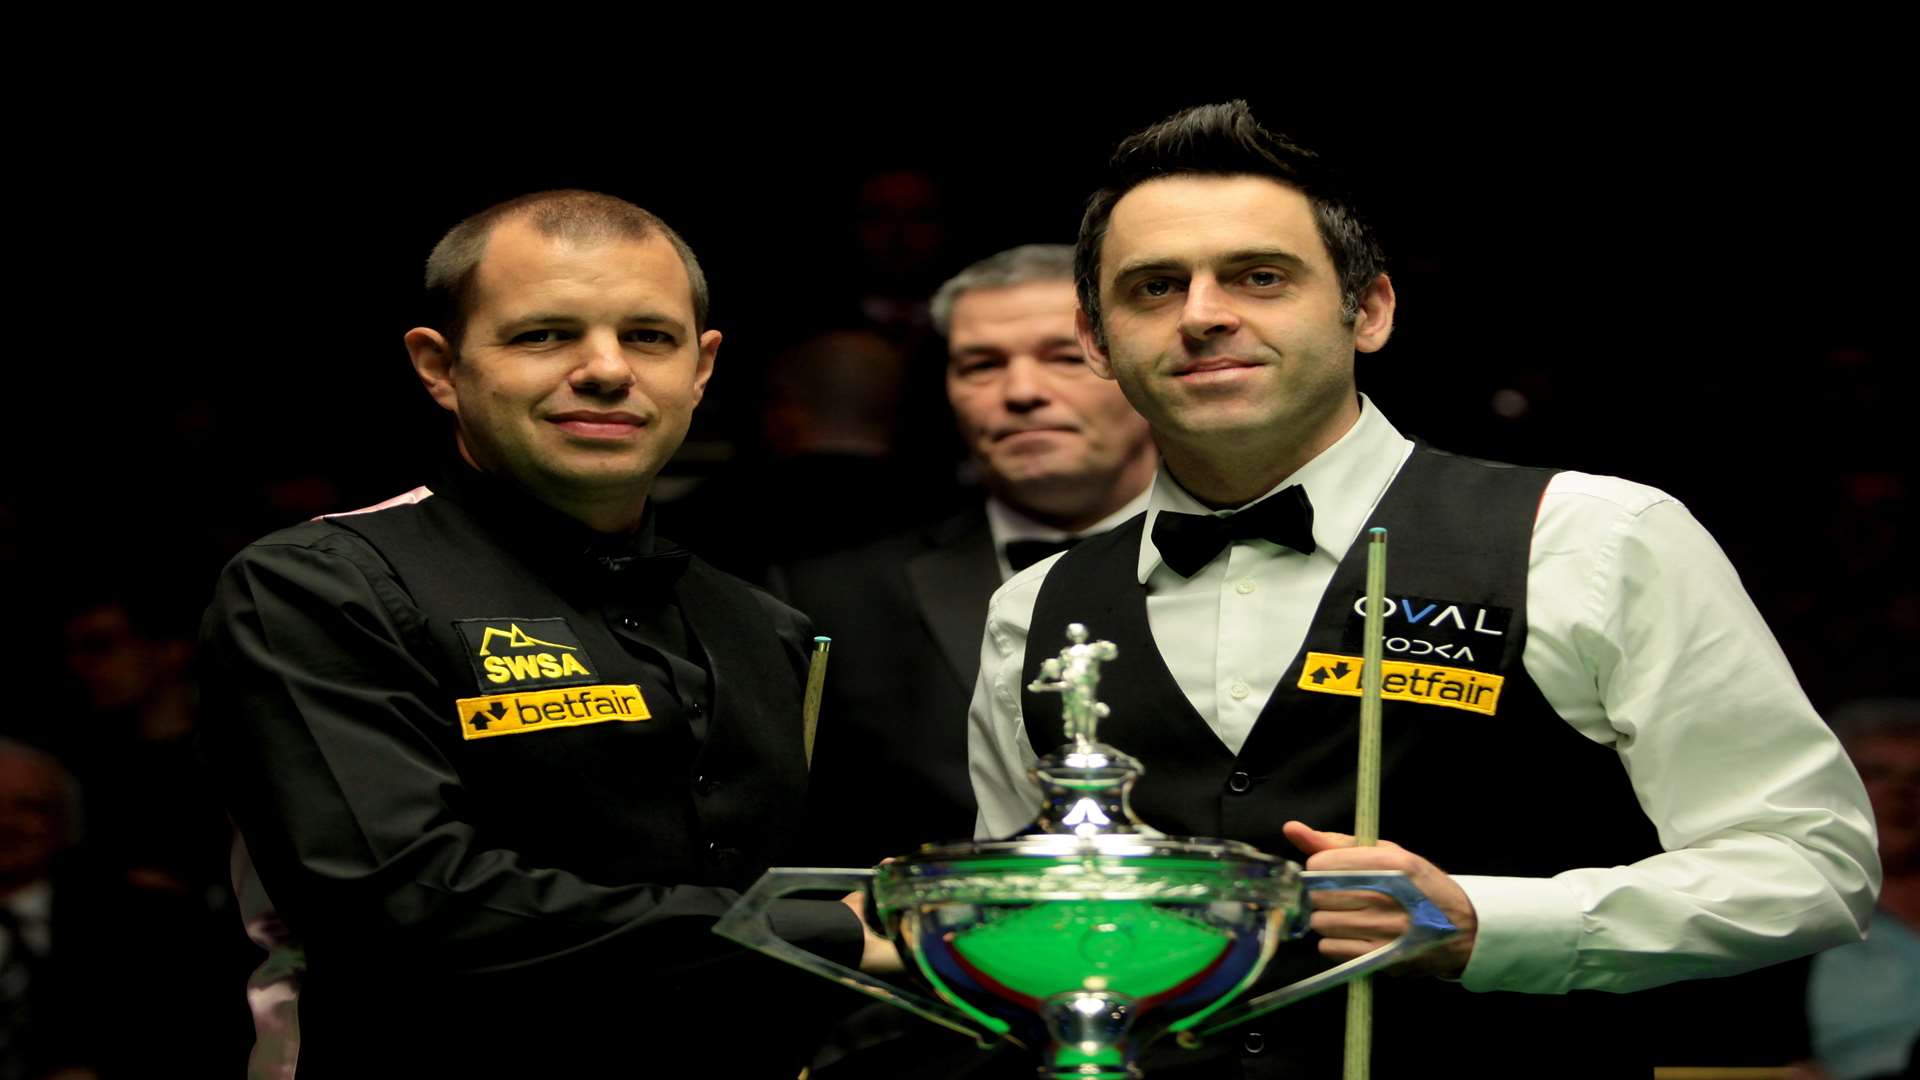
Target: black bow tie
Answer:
[[1024, 553], [1188, 542]]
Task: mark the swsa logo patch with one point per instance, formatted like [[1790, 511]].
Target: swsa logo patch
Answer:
[[525, 654]]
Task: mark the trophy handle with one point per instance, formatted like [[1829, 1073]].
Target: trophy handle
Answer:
[[1426, 927], [746, 923]]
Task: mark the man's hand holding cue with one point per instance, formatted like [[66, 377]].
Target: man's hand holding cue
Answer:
[[1353, 924]]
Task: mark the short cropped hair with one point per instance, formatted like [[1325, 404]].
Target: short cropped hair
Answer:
[[1014, 266], [1226, 140], [581, 217]]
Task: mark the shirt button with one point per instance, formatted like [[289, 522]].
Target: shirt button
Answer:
[[1243, 588], [1238, 690], [1239, 782], [1254, 1042]]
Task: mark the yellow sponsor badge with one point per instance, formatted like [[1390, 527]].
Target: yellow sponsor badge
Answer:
[[540, 710], [526, 654], [1405, 680]]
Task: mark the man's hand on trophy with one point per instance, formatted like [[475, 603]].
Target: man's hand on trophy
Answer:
[[877, 954], [1353, 924]]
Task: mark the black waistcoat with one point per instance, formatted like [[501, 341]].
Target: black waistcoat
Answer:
[[527, 643], [1504, 787], [704, 792]]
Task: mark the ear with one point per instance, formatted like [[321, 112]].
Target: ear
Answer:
[[1095, 356], [703, 364], [1374, 323], [433, 362]]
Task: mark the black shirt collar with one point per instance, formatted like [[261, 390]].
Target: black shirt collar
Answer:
[[512, 513]]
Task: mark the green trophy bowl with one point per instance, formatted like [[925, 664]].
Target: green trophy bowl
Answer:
[[1087, 936]]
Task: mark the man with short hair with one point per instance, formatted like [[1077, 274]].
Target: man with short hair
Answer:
[[500, 754], [1062, 455], [1587, 724]]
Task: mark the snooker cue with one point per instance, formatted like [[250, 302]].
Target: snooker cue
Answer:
[[810, 704], [1366, 813]]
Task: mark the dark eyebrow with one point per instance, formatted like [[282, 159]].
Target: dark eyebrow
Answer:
[[1231, 258], [1046, 344], [540, 317], [978, 350], [1146, 266], [656, 318], [554, 318], [1263, 255]]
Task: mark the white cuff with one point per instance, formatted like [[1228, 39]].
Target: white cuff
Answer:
[[1528, 937]]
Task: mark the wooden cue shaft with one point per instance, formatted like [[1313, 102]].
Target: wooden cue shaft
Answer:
[[810, 704], [1366, 814]]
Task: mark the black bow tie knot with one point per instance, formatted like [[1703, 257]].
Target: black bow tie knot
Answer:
[[1188, 542], [1024, 553]]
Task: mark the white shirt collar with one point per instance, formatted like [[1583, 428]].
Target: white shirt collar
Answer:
[[32, 908], [1344, 482], [1007, 524]]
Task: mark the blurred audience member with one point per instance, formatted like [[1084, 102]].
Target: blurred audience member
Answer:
[[1852, 625], [98, 978], [836, 394], [273, 989], [829, 421], [1863, 1001], [1063, 456], [129, 649], [900, 227]]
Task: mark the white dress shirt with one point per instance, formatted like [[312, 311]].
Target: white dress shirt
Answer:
[[32, 909], [1004, 524], [1639, 636]]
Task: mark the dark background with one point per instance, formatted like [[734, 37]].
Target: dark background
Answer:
[[1690, 274], [1662, 265]]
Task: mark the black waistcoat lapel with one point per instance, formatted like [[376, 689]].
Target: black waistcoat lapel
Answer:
[[756, 724]]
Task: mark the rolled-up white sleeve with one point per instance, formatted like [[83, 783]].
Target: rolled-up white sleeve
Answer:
[[999, 754], [1641, 636]]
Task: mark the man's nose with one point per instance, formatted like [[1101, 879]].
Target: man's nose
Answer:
[[602, 366], [1208, 311], [1025, 386]]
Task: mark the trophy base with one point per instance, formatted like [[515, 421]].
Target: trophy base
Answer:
[[1090, 1042]]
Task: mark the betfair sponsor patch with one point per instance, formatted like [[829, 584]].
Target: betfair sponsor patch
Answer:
[[525, 654], [1402, 680], [541, 710]]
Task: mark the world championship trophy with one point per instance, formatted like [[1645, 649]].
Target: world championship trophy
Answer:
[[1088, 935]]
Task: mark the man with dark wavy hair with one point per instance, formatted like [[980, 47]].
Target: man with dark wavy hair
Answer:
[[1597, 761]]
